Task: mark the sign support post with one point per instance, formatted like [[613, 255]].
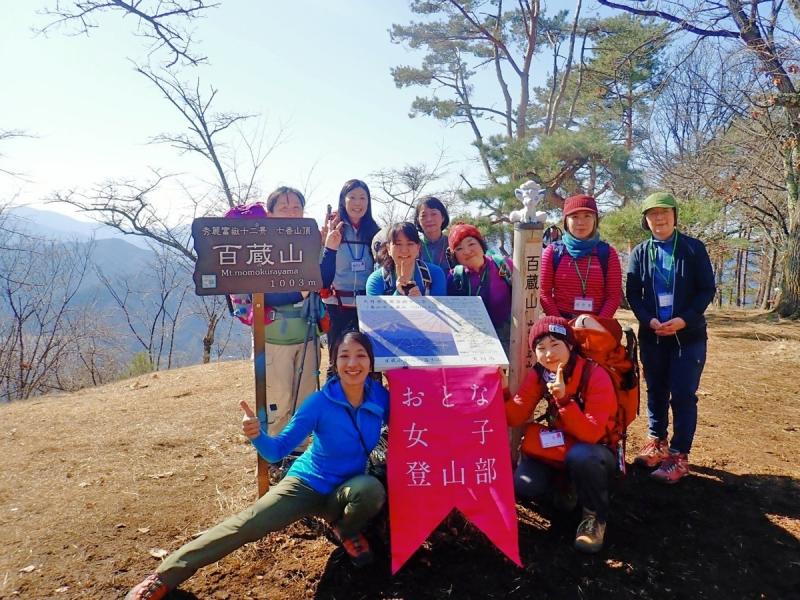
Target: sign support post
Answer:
[[525, 309], [260, 364]]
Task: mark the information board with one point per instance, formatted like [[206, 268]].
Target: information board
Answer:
[[429, 331]]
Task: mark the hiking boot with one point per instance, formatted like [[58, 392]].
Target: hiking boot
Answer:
[[653, 452], [152, 588], [590, 534], [357, 548], [673, 468]]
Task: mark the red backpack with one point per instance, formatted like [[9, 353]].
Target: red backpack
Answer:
[[604, 349]]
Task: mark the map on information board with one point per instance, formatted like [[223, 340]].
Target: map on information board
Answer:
[[429, 332]]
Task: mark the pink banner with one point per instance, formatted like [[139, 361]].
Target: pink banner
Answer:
[[448, 448]]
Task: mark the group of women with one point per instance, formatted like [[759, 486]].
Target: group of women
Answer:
[[669, 284]]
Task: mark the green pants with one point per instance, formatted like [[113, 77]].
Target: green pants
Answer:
[[349, 507]]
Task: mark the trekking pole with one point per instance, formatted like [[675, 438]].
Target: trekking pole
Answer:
[[312, 315]]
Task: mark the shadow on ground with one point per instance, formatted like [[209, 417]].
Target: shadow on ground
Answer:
[[714, 535]]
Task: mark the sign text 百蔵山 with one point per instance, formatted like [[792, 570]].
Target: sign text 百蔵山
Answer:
[[236, 256]]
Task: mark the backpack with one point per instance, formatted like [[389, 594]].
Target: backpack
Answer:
[[499, 261], [602, 350], [389, 286], [603, 250], [551, 235]]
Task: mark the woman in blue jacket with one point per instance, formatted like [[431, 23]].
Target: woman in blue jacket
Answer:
[[346, 259], [401, 271], [670, 284], [327, 480]]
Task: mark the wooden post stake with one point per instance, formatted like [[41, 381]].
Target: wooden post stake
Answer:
[[525, 309], [260, 364]]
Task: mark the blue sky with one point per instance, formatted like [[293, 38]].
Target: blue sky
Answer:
[[317, 71]]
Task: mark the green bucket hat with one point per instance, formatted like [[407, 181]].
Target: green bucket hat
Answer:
[[659, 200]]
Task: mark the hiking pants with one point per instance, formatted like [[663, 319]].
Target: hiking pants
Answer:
[[349, 506], [589, 466], [672, 372]]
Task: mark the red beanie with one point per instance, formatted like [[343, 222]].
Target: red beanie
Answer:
[[558, 327], [575, 203], [461, 231]]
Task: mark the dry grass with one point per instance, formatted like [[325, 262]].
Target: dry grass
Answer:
[[93, 481]]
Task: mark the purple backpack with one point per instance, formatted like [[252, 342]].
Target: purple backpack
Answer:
[[241, 305]]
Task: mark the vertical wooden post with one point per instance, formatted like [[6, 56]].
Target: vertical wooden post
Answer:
[[525, 308], [260, 364]]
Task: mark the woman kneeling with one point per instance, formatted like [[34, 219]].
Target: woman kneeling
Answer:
[[581, 409], [327, 480]]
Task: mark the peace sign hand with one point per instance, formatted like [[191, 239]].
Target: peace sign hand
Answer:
[[334, 237]]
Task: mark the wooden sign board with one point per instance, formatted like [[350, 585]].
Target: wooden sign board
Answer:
[[244, 256]]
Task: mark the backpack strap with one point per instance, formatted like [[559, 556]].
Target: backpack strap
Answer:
[[502, 267], [426, 276], [458, 277], [388, 284], [603, 251], [580, 397]]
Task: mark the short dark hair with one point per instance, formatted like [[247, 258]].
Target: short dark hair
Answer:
[[409, 230], [272, 199], [434, 203], [359, 338]]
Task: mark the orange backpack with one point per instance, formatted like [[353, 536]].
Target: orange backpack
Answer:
[[621, 363]]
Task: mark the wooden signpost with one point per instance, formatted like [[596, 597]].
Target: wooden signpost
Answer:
[[525, 308]]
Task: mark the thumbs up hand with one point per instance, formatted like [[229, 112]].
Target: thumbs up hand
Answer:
[[557, 388], [251, 426]]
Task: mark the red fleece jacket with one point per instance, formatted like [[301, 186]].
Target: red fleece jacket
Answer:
[[589, 425]]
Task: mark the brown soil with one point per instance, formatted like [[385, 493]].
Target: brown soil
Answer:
[[93, 482]]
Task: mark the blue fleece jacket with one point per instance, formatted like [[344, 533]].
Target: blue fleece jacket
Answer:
[[694, 288], [336, 453]]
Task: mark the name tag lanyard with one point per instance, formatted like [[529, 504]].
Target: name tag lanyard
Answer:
[[666, 274], [480, 283], [430, 257], [355, 259], [584, 280]]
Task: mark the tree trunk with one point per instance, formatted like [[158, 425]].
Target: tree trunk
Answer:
[[746, 264], [789, 305], [767, 297], [208, 339]]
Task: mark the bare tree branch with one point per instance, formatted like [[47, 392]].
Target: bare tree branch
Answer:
[[166, 23]]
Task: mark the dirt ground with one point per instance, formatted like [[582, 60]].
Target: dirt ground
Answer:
[[95, 485]]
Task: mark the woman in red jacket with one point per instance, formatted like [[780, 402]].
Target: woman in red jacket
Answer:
[[580, 273], [580, 414]]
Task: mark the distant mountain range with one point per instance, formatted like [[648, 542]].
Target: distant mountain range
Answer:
[[53, 225], [126, 257]]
